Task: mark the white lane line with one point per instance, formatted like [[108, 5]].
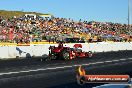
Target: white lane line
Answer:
[[122, 59], [78, 65], [96, 63], [63, 67], [130, 58], [108, 61], [116, 60]]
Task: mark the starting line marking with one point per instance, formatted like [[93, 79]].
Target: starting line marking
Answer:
[[55, 68]]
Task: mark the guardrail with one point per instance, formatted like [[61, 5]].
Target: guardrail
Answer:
[[13, 51]]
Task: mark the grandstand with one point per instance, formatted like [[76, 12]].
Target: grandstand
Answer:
[[31, 27]]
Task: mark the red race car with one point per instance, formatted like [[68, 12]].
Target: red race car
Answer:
[[67, 53]]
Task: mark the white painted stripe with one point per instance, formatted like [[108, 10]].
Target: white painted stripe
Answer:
[[108, 61], [122, 59], [63, 67], [130, 58], [77, 65], [115, 60]]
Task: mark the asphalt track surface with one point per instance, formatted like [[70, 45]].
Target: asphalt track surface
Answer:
[[32, 73]]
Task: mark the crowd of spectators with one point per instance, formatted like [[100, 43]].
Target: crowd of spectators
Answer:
[[26, 29]]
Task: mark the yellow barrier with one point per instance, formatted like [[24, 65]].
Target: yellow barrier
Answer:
[[15, 44], [37, 43], [8, 44], [23, 44], [43, 43]]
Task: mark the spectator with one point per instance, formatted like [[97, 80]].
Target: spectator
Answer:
[[26, 29]]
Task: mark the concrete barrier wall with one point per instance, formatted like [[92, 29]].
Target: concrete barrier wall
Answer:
[[4, 50], [9, 52]]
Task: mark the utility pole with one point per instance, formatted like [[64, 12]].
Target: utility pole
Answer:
[[129, 17]]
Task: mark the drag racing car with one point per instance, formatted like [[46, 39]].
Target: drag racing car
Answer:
[[67, 53]]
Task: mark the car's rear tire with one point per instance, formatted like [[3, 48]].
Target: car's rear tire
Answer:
[[90, 54], [66, 55], [52, 57]]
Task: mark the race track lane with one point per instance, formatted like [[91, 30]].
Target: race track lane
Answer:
[[103, 63], [25, 64], [61, 78]]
